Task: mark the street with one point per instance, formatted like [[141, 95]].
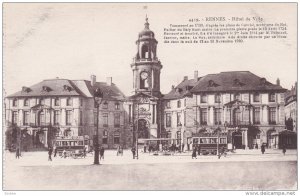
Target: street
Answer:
[[243, 170]]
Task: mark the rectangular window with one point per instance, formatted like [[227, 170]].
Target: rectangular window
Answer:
[[116, 138], [56, 117], [179, 119], [178, 104], [56, 102], [272, 115], [104, 138], [217, 98], [105, 105], [15, 102], [117, 106], [272, 97], [26, 102], [153, 114], [68, 117], [80, 118], [105, 120], [117, 120], [26, 118], [217, 116], [168, 104], [203, 99], [129, 116], [256, 116], [256, 97], [203, 116], [69, 102], [168, 120]]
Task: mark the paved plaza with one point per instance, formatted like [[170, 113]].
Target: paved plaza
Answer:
[[242, 170]]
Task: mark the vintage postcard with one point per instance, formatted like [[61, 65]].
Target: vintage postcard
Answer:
[[150, 96]]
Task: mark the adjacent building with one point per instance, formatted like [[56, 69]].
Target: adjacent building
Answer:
[[247, 107]]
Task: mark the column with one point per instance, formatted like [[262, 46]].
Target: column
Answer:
[[46, 138], [251, 120], [246, 139], [224, 114], [277, 115], [63, 117], [211, 115], [20, 116], [261, 114]]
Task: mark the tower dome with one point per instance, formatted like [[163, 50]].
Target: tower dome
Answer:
[[146, 33]]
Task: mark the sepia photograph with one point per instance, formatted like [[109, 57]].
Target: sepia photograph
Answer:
[[150, 97]]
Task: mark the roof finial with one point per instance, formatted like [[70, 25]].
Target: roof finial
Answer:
[[146, 24]]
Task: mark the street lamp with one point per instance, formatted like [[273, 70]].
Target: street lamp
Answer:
[[98, 95]]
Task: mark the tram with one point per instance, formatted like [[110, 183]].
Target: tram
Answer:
[[72, 143], [208, 143]]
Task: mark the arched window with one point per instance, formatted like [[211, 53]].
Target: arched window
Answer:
[[15, 102], [236, 116], [26, 102], [145, 52], [256, 97]]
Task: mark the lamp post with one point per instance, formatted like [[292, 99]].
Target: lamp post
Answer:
[[218, 138], [98, 95]]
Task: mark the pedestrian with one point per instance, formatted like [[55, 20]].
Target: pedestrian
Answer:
[[55, 151], [222, 152], [199, 150], [84, 152], [133, 152], [50, 154], [64, 154], [263, 149], [118, 150], [284, 149], [102, 153], [182, 148], [145, 148], [18, 153], [256, 146], [194, 154]]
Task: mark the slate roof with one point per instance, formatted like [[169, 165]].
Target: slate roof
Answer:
[[234, 81], [65, 87], [182, 89], [223, 82]]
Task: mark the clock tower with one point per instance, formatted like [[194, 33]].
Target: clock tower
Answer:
[[146, 66], [145, 103]]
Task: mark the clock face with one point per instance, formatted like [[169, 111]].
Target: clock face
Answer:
[[144, 75]]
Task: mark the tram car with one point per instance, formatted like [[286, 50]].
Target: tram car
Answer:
[[209, 144]]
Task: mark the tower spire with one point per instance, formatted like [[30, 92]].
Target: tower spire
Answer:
[[146, 23]]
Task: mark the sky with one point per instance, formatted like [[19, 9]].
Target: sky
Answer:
[[75, 40]]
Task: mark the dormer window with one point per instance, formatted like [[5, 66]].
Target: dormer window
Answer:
[[237, 82], [67, 88], [211, 83], [263, 81], [178, 90], [46, 88], [26, 89]]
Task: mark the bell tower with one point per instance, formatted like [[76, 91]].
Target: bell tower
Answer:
[[146, 66]]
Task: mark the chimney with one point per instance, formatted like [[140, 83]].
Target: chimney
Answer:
[[278, 82], [196, 76], [93, 80], [185, 78], [109, 81]]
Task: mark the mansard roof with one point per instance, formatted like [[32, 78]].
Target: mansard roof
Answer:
[[183, 89], [234, 81], [65, 87]]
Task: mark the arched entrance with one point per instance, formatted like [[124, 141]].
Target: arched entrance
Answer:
[[237, 141], [143, 128], [254, 137]]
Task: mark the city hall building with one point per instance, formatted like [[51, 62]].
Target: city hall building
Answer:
[[247, 108]]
